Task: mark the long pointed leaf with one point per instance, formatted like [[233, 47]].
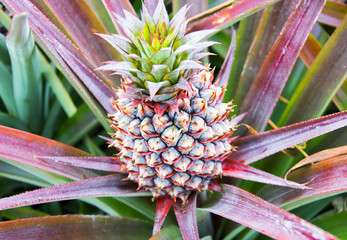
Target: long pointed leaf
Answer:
[[186, 218], [100, 90], [256, 147], [24, 148], [270, 25], [42, 27], [82, 24], [98, 163], [111, 185], [26, 72], [227, 14], [163, 206], [245, 208], [333, 13], [224, 73], [75, 227], [321, 82], [271, 79], [327, 177], [237, 169]]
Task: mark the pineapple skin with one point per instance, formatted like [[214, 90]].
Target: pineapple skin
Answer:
[[178, 149]]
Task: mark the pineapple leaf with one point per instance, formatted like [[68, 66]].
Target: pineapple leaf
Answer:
[[151, 5], [224, 73], [333, 13], [321, 82], [333, 224], [232, 168], [43, 27], [110, 164], [186, 218], [163, 206], [110, 185], [226, 14], [255, 147], [24, 148], [263, 95], [243, 207], [269, 27], [69, 226], [80, 21], [100, 90], [26, 72], [310, 50], [326, 177]]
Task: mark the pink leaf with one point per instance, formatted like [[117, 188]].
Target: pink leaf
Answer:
[[23, 147], [163, 206], [111, 185], [263, 95], [255, 147], [97, 87], [110, 164], [232, 168], [247, 209], [224, 73], [228, 15], [75, 227], [186, 218], [327, 176], [333, 13]]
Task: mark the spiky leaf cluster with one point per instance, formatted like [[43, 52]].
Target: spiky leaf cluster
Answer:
[[159, 55]]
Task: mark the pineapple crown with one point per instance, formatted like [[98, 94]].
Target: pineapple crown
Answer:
[[160, 57]]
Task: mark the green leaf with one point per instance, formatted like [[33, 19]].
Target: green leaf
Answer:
[[10, 121], [335, 224], [26, 72], [76, 127], [244, 38], [57, 87], [168, 233]]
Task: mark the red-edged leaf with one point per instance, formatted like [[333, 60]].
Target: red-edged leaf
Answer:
[[224, 73], [74, 227], [163, 206], [186, 218], [237, 169], [111, 185], [42, 27], [247, 209], [82, 24], [333, 13], [226, 14], [263, 95], [327, 177], [97, 87], [110, 164], [321, 82], [270, 25], [256, 147], [23, 147]]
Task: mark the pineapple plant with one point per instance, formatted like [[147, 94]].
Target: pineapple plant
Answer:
[[171, 125], [173, 132]]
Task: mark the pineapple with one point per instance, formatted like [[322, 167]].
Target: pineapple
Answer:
[[171, 125]]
